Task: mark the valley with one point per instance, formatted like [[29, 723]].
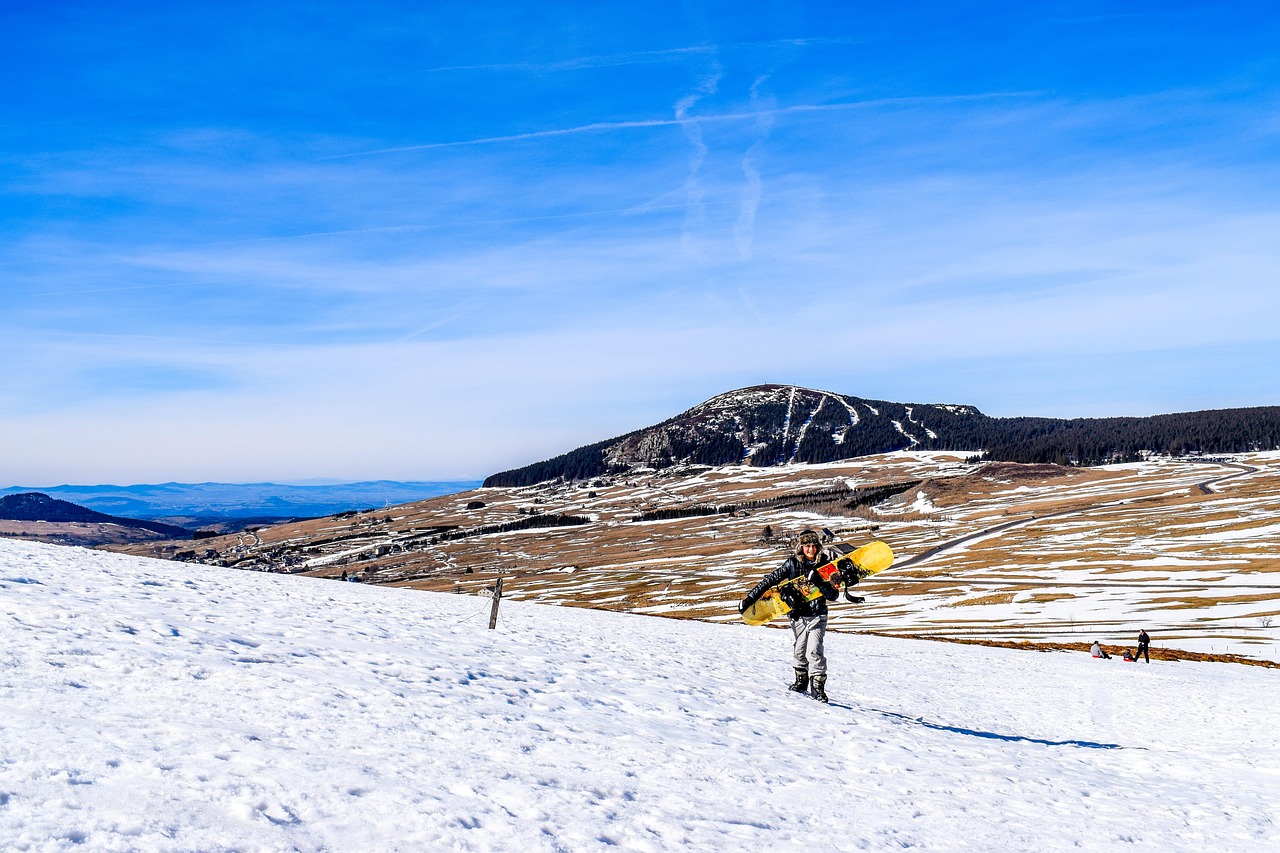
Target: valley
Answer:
[[1190, 550]]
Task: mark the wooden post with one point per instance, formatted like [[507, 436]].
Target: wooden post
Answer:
[[497, 596]]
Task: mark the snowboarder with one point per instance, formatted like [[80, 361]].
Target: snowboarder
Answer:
[[1144, 643], [808, 618], [1098, 651]]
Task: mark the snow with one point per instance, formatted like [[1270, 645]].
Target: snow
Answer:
[[1263, 532], [898, 426], [163, 706], [922, 504]]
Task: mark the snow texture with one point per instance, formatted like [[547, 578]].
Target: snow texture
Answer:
[[162, 706]]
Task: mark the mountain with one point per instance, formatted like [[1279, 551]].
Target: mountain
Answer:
[[156, 706], [35, 506], [768, 425], [207, 504]]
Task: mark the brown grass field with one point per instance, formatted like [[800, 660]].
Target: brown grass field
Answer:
[[1091, 553]]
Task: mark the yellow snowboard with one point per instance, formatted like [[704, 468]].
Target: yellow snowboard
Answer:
[[870, 559]]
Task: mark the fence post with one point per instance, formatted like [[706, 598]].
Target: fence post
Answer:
[[497, 596]]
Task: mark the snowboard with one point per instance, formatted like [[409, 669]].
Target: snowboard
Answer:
[[870, 559]]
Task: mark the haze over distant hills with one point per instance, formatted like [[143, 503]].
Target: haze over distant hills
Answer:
[[197, 504], [34, 506], [767, 425]]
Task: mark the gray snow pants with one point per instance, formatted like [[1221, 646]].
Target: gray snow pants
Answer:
[[807, 652]]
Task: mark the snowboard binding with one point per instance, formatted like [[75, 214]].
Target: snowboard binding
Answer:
[[851, 574]]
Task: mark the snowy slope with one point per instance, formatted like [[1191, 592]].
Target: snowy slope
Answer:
[[159, 706]]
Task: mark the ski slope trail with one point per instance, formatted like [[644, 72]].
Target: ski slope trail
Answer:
[[161, 706]]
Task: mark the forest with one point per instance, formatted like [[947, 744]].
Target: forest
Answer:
[[1075, 441]]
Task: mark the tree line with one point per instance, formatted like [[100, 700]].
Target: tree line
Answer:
[[829, 437], [845, 498]]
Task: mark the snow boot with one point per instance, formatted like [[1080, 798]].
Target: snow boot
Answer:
[[802, 681], [819, 683]]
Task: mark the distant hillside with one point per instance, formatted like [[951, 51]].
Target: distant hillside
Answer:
[[208, 504], [769, 425], [35, 506]]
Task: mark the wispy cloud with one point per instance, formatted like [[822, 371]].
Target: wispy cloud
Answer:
[[600, 238]]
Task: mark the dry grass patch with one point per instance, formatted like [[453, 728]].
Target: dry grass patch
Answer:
[[1184, 602], [994, 598]]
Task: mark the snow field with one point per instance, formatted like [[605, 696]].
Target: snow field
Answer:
[[160, 706]]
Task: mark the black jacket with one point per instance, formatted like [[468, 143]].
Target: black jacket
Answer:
[[797, 567]]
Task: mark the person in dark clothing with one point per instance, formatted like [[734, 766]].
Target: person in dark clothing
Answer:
[[1144, 643], [808, 618]]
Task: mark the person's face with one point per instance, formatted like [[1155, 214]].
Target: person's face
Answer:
[[810, 550]]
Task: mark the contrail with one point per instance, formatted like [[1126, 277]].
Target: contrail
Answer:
[[695, 213], [516, 137], [744, 228], [596, 127], [607, 60]]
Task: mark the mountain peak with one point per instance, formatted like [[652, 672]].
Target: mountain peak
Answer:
[[37, 506], [759, 425]]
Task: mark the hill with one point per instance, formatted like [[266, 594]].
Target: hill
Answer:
[[233, 710], [38, 507], [234, 505], [769, 425]]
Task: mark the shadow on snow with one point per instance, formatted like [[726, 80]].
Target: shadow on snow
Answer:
[[921, 721]]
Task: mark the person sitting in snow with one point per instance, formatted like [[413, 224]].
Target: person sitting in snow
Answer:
[[808, 618], [1098, 651], [1128, 655]]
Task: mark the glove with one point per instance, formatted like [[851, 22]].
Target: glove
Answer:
[[813, 577]]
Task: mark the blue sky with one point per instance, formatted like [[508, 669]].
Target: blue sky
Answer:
[[428, 241]]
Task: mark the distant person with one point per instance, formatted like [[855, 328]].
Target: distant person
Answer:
[[808, 618], [1098, 651], [1144, 644], [1128, 655], [344, 574], [355, 577]]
